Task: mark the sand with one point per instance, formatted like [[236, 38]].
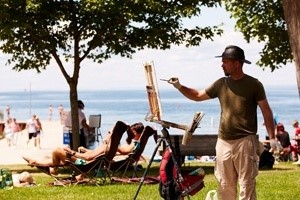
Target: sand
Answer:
[[52, 137]]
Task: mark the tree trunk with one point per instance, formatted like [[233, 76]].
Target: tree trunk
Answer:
[[291, 10], [74, 112]]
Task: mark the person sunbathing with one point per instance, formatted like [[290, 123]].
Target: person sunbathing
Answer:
[[23, 179], [84, 155]]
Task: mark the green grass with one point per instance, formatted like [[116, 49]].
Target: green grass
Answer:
[[282, 183]]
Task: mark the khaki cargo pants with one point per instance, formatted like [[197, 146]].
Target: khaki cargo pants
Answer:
[[237, 162]]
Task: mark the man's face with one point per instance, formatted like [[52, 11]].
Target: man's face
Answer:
[[229, 66]]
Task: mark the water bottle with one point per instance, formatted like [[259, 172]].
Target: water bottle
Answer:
[[198, 172], [1, 178], [8, 179]]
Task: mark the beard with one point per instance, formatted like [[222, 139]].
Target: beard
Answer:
[[226, 74]]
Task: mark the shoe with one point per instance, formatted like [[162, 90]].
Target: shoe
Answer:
[[296, 163]]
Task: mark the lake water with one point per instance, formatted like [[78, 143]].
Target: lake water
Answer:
[[132, 106]]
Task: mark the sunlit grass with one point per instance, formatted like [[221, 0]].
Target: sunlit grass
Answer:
[[282, 182]]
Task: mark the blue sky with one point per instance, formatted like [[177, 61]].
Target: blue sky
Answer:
[[196, 67]]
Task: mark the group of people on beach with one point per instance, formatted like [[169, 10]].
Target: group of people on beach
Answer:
[[289, 148], [11, 131], [12, 128]]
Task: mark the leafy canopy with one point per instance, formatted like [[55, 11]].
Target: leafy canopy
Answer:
[[34, 31], [264, 21]]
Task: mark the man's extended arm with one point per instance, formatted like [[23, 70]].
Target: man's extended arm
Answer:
[[189, 93]]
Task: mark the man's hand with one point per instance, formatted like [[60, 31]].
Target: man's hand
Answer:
[[274, 144], [175, 82]]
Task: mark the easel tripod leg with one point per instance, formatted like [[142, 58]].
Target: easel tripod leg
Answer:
[[148, 167]]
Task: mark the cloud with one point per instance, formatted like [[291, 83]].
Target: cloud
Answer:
[[195, 66]]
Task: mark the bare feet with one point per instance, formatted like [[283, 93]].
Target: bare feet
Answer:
[[30, 161], [53, 170], [79, 177]]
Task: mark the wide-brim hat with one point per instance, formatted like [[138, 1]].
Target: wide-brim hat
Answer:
[[234, 52]]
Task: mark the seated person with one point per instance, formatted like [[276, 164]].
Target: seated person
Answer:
[[23, 180], [60, 154], [133, 142], [284, 139], [296, 144]]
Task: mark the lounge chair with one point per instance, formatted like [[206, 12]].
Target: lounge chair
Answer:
[[132, 160], [98, 170], [93, 169]]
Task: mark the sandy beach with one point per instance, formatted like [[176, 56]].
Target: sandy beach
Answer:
[[52, 137]]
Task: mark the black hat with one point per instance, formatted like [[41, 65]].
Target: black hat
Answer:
[[234, 52], [80, 104]]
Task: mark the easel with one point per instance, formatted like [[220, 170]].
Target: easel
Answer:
[[154, 115], [165, 134]]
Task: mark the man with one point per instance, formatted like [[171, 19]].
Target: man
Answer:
[[31, 129], [239, 94], [82, 125]]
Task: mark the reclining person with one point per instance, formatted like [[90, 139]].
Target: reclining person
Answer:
[[84, 155], [132, 140], [23, 179]]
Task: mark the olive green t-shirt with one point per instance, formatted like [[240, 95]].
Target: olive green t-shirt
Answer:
[[238, 100]]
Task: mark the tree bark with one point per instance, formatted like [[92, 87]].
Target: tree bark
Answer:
[[291, 10], [75, 118]]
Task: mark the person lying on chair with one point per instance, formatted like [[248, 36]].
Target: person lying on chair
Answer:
[[132, 140], [84, 155]]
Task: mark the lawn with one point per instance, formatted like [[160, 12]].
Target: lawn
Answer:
[[282, 183]]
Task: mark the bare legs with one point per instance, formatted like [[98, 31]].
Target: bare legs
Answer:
[[58, 158]]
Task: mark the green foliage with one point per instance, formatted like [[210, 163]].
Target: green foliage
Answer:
[[264, 21], [34, 31]]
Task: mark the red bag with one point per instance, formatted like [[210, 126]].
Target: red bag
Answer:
[[172, 184]]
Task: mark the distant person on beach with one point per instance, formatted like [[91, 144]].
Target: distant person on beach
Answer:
[[15, 128], [60, 111], [59, 155], [8, 131], [296, 127], [296, 143], [31, 129], [1, 115], [239, 95], [39, 131], [50, 112], [82, 125], [7, 111]]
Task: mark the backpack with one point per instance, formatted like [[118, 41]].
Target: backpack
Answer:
[[169, 188], [266, 160], [172, 184]]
